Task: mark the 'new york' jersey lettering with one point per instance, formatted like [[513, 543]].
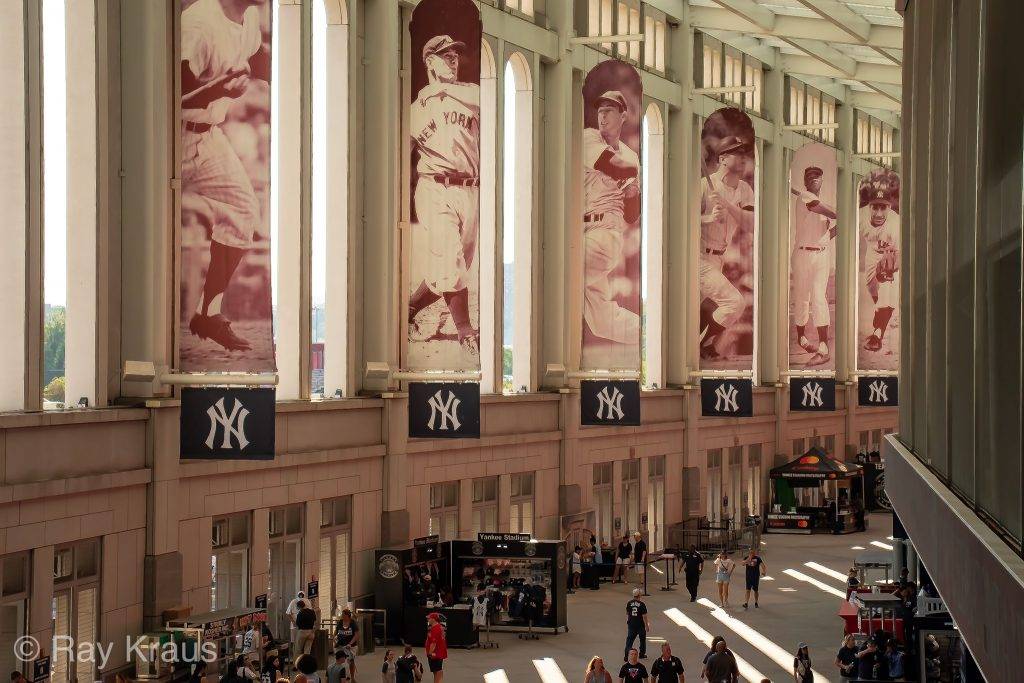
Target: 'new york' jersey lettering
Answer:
[[447, 134]]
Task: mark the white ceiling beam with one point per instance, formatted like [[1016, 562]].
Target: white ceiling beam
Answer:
[[826, 54], [886, 37], [870, 100], [750, 11], [812, 66], [840, 15]]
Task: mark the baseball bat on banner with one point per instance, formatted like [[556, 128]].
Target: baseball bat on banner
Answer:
[[234, 73]]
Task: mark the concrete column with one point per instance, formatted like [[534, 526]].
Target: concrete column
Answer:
[[311, 545], [845, 345], [645, 492], [394, 524], [505, 501], [163, 565], [13, 197], [40, 615], [773, 223], [466, 508], [259, 553]]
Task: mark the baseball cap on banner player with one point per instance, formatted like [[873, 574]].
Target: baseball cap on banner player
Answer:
[[731, 144], [439, 44], [614, 98]]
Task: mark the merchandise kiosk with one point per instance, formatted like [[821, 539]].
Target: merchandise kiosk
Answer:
[[524, 581], [815, 494]]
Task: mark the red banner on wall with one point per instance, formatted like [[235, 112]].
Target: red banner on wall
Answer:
[[812, 257], [878, 263], [444, 123], [728, 222], [226, 316], [612, 119]]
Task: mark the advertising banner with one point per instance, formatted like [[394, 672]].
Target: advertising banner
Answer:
[[878, 391], [226, 316], [612, 118], [728, 221], [812, 257], [444, 410], [726, 397], [812, 394], [444, 124], [221, 423], [878, 261], [610, 402]]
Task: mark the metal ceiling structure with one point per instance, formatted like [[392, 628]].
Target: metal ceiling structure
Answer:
[[853, 43]]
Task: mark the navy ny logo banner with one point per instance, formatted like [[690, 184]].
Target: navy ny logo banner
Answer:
[[878, 391], [610, 402], [220, 423], [444, 410], [812, 394], [726, 397]]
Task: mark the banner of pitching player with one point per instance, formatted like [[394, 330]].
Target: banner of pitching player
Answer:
[[812, 260], [612, 96], [444, 122], [226, 316], [728, 218], [878, 297]]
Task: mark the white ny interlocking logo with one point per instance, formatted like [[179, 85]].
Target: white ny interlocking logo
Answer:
[[878, 392], [609, 406], [233, 424], [726, 396], [812, 395], [448, 409]]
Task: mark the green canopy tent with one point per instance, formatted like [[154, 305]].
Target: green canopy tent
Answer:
[[815, 492]]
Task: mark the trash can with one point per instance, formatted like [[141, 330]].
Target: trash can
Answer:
[[323, 648], [366, 640]]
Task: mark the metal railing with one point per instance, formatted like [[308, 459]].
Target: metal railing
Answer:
[[710, 539]]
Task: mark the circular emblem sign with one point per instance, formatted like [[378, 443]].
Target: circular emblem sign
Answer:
[[561, 557], [388, 566], [478, 548], [530, 549]]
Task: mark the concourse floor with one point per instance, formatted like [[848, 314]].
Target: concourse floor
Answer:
[[793, 609]]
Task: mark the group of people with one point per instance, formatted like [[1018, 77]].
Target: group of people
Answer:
[[630, 553], [753, 565]]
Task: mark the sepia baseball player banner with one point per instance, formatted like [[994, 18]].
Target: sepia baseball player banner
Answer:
[[728, 221], [878, 391], [444, 410], [726, 397], [610, 402], [612, 117], [812, 257], [444, 125], [812, 394], [225, 311], [220, 423], [878, 265]]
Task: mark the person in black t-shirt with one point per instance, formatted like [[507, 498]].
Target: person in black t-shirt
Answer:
[[305, 623], [666, 668], [622, 556], [693, 565], [632, 670], [639, 553], [867, 658], [755, 569], [846, 658], [637, 624]]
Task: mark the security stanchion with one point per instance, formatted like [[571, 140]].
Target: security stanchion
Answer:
[[668, 560], [487, 642]]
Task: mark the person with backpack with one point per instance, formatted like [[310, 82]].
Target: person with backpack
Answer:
[[407, 667]]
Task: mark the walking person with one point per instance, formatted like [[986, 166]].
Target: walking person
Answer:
[[596, 673], [408, 668], [846, 658], [436, 646], [667, 668], [622, 556], [720, 667], [338, 671], [755, 569], [637, 624], [851, 582], [639, 554], [802, 665], [632, 670], [693, 565], [724, 567], [577, 568], [346, 635], [387, 669], [305, 625]]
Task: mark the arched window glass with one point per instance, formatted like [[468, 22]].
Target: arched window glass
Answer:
[[653, 247], [517, 225]]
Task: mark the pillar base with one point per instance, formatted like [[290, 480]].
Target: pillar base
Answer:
[[394, 528], [161, 587]]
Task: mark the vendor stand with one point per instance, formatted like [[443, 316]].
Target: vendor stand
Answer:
[[815, 494], [221, 632]]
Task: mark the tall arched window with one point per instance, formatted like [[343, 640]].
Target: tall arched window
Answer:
[[517, 225], [488, 220], [652, 240], [329, 153]]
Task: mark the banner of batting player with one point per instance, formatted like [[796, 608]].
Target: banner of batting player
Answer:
[[728, 219], [226, 317], [812, 261], [878, 297], [612, 96], [444, 123]]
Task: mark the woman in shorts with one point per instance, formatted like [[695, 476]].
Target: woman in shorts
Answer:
[[724, 566]]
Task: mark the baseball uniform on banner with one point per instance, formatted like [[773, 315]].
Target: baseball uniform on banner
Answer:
[[878, 264], [812, 394], [444, 124], [728, 221], [727, 397], [226, 317], [812, 257], [221, 423], [881, 391]]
